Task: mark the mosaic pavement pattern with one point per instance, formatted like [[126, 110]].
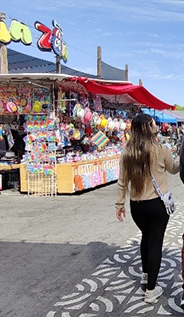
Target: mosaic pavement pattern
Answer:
[[113, 289]]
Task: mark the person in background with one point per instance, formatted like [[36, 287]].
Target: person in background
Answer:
[[142, 157], [182, 253]]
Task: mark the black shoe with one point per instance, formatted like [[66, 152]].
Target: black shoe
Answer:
[[182, 301], [144, 287]]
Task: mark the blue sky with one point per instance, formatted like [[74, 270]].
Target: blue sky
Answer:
[[146, 35]]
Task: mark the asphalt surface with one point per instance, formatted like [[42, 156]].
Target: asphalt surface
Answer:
[[69, 256]]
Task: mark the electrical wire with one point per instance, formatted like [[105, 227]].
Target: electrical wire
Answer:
[[35, 36]]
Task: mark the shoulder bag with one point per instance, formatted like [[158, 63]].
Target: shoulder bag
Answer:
[[166, 198]]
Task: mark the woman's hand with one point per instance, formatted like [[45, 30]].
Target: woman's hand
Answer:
[[120, 214]]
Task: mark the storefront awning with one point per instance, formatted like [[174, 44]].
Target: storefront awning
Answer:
[[114, 91], [137, 94]]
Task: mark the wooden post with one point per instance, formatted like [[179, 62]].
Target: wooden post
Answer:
[[3, 52], [126, 72], [58, 65], [99, 59]]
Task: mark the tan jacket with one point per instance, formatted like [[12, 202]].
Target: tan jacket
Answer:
[[163, 162]]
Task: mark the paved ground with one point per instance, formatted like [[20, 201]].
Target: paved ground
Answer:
[[68, 256]]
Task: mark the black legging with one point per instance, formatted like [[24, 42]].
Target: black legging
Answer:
[[151, 218]]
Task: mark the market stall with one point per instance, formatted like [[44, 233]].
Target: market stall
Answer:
[[20, 96], [74, 128], [160, 116]]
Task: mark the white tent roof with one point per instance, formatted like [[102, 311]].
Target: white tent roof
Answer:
[[51, 77]]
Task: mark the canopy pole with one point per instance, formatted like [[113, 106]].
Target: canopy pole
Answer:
[[3, 52], [99, 59]]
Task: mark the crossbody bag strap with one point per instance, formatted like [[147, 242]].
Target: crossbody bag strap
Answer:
[[156, 186]]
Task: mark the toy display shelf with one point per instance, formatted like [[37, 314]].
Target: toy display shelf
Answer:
[[78, 176]]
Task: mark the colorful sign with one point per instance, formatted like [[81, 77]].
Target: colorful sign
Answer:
[[57, 39], [17, 32], [52, 40]]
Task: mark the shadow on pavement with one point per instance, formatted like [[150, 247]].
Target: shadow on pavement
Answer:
[[33, 275]]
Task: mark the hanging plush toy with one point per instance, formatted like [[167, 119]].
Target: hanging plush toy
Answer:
[[103, 122]]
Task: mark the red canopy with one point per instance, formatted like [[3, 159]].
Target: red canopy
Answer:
[[138, 93]]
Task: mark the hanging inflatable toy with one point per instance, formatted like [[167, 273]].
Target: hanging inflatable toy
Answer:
[[23, 102], [95, 121], [122, 125], [76, 108], [37, 107], [116, 124], [110, 124], [11, 107], [87, 116], [80, 113]]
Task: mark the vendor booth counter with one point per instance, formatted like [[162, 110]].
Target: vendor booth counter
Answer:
[[81, 175], [9, 176]]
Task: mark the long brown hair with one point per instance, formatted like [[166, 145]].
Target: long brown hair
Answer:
[[138, 154]]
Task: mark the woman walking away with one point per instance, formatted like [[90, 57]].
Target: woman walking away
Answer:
[[141, 159]]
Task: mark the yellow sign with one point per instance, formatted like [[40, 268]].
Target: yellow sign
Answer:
[[17, 32]]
